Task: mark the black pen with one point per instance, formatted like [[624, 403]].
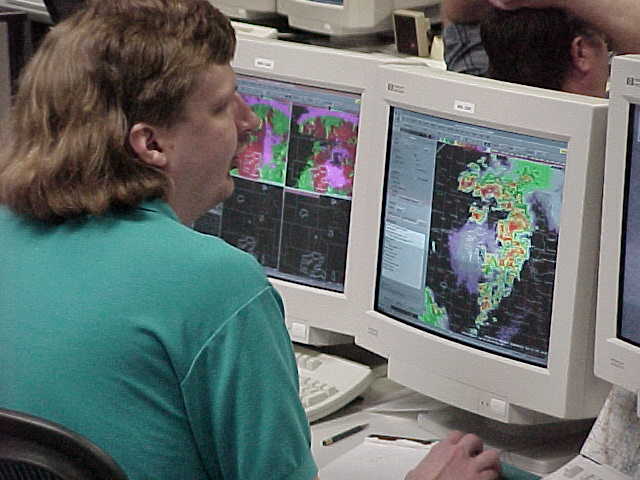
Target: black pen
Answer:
[[393, 438], [345, 434]]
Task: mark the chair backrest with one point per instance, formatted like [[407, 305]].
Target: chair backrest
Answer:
[[61, 9], [5, 72], [32, 448], [16, 46]]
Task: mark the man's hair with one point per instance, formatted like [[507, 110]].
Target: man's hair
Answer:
[[109, 66], [531, 46]]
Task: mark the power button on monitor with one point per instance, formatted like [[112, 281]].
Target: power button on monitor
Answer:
[[298, 331], [497, 406]]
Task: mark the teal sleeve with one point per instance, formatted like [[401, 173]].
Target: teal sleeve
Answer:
[[509, 472], [241, 396]]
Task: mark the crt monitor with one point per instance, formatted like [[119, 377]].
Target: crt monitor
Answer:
[[618, 319], [297, 189], [247, 9], [488, 217], [345, 17]]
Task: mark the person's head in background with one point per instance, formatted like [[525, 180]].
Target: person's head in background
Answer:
[[545, 48], [127, 100]]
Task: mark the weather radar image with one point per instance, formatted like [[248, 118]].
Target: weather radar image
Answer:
[[470, 233], [293, 182]]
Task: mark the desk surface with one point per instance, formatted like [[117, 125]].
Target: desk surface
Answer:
[[357, 413], [381, 419]]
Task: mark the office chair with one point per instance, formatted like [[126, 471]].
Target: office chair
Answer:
[[61, 9], [16, 43], [32, 448]]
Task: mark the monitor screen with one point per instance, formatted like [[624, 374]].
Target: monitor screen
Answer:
[[486, 213], [628, 323], [617, 357], [469, 236], [294, 182]]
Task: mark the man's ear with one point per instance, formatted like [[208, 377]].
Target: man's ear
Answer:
[[582, 54], [143, 140]]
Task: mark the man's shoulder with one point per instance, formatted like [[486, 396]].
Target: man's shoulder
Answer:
[[463, 49], [164, 243]]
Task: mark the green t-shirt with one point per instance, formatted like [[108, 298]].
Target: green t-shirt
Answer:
[[165, 347]]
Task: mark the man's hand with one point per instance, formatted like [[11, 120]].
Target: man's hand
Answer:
[[458, 457]]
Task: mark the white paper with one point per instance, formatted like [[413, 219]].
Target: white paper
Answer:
[[376, 459], [581, 468], [615, 437]]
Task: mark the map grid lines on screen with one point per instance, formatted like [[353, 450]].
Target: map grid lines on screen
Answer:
[[294, 181], [477, 209]]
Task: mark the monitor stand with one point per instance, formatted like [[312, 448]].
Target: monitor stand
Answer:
[[539, 449], [364, 43]]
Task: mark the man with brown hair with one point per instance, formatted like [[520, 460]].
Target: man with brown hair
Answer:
[[165, 347]]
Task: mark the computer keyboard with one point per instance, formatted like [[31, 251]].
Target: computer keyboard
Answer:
[[329, 382]]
